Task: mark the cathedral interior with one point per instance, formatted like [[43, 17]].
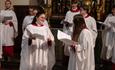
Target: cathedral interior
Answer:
[[55, 11]]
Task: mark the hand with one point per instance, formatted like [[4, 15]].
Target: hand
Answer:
[[33, 37], [29, 41], [10, 23], [73, 47], [7, 22], [49, 42]]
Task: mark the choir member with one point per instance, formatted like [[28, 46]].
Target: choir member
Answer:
[[68, 22], [9, 29], [82, 49], [90, 21], [37, 45], [109, 37]]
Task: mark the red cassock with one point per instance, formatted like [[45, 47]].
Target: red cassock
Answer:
[[113, 67], [8, 51]]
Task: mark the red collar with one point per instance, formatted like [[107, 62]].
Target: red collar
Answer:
[[87, 16], [40, 25], [77, 10]]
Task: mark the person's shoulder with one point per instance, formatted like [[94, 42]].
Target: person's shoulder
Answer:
[[26, 16], [68, 12], [109, 15], [2, 10], [86, 31], [92, 18], [11, 11], [29, 26]]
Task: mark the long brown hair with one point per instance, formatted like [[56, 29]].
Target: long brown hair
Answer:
[[79, 25]]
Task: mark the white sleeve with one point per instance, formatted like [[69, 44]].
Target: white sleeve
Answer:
[[15, 21], [107, 22], [25, 39], [24, 24], [66, 17]]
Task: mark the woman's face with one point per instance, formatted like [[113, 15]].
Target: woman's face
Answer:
[[41, 18], [7, 4]]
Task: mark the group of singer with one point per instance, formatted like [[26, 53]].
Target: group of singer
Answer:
[[38, 42]]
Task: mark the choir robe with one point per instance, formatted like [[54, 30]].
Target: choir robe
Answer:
[[83, 57], [69, 30], [9, 31], [91, 25], [27, 20], [109, 37], [40, 56]]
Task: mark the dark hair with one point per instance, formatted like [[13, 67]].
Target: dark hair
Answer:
[[78, 20], [79, 23], [113, 6], [37, 15], [74, 3], [28, 10]]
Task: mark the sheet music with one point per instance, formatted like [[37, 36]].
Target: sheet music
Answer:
[[38, 36], [36, 33], [65, 38], [8, 18]]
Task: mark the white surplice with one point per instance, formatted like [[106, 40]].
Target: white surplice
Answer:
[[91, 25], [39, 56], [69, 18], [83, 57], [27, 20], [109, 37], [9, 32]]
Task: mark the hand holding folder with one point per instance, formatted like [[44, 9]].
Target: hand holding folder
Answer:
[[65, 38]]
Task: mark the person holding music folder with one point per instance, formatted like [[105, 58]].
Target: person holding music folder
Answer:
[[68, 25], [37, 45], [109, 38], [9, 30], [81, 53]]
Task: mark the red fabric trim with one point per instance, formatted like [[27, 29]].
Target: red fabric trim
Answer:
[[10, 24], [8, 51], [77, 10], [34, 24], [40, 25], [113, 66], [87, 16]]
